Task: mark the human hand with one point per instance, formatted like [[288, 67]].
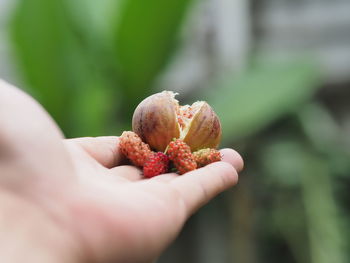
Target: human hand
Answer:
[[80, 203]]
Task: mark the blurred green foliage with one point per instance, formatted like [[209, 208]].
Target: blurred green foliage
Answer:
[[98, 71], [90, 62], [261, 95]]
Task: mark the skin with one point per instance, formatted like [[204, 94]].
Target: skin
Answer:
[[74, 200]]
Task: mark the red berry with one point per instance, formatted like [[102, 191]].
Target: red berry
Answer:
[[157, 163], [206, 156], [180, 153], [134, 148]]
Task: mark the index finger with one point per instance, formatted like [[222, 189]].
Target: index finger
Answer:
[[104, 149]]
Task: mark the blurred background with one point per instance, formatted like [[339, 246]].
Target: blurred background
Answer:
[[277, 72]]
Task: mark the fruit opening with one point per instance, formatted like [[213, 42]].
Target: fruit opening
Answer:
[[185, 114]]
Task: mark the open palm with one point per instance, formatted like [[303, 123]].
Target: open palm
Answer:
[[80, 198]]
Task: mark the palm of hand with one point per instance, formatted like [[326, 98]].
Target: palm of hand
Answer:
[[105, 210]]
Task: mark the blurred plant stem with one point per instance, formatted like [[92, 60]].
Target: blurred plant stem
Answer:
[[322, 215], [242, 216]]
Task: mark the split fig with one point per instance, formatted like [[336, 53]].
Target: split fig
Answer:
[[159, 118]]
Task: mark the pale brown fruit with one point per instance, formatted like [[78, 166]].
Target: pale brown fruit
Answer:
[[159, 118]]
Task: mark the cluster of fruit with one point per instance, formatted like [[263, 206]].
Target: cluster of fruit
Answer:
[[182, 137], [177, 153]]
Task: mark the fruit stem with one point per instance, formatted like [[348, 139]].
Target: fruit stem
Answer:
[[166, 149]]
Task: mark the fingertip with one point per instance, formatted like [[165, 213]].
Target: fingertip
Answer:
[[227, 172], [232, 157], [201, 185]]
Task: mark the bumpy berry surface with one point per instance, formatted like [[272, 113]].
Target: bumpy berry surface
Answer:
[[156, 164], [180, 153], [134, 148], [206, 156]]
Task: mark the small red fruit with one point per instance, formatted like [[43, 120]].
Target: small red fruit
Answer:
[[180, 153], [156, 164], [206, 156], [134, 148]]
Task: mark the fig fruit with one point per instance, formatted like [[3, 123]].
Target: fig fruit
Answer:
[[159, 118]]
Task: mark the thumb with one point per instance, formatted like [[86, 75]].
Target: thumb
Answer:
[[30, 142]]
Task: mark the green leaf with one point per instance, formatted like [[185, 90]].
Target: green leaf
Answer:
[[326, 136], [40, 42], [59, 69], [144, 38], [254, 99], [93, 19]]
